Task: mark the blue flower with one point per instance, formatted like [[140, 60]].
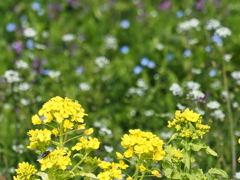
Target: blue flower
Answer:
[[79, 70], [125, 24], [11, 27], [217, 39], [208, 48], [30, 44], [46, 71], [137, 69], [124, 49], [213, 73], [187, 53], [144, 61], [170, 57], [179, 14], [151, 64], [36, 6]]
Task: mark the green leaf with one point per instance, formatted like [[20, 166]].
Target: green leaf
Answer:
[[43, 175], [84, 174], [210, 151], [196, 146], [218, 172], [78, 155]]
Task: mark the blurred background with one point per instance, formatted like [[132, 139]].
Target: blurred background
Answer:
[[130, 64]]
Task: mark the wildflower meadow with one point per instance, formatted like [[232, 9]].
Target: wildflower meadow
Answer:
[[125, 90]]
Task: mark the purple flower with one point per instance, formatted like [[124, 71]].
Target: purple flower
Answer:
[[17, 46], [165, 5], [11, 27], [199, 5], [137, 69], [125, 24], [124, 49]]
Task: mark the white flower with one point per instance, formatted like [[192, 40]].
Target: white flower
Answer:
[[101, 61], [181, 107], [11, 76], [18, 148], [84, 86], [25, 102], [29, 32], [103, 131], [227, 57], [195, 95], [200, 111], [237, 175], [235, 104], [159, 46], [20, 64], [109, 149], [176, 89], [212, 24], [54, 74], [188, 25], [223, 32], [196, 71], [192, 85], [216, 84], [40, 46], [235, 75], [110, 42], [68, 37], [142, 84], [213, 105], [218, 114], [166, 135], [149, 113], [134, 91], [193, 41], [22, 87]]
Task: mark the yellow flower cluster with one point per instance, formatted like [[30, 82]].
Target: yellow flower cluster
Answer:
[[188, 124], [24, 171], [39, 138], [111, 170], [177, 155], [142, 143], [87, 143], [61, 110], [58, 158]]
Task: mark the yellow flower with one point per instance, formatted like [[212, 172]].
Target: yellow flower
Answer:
[[25, 171], [128, 153], [238, 141], [36, 120], [142, 168], [88, 131], [129, 178], [55, 132], [81, 126], [89, 144], [39, 138], [58, 158], [119, 155], [67, 125], [111, 171], [156, 173], [59, 109]]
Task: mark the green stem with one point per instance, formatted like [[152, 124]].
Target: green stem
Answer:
[[61, 136], [79, 162], [137, 170], [230, 116]]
